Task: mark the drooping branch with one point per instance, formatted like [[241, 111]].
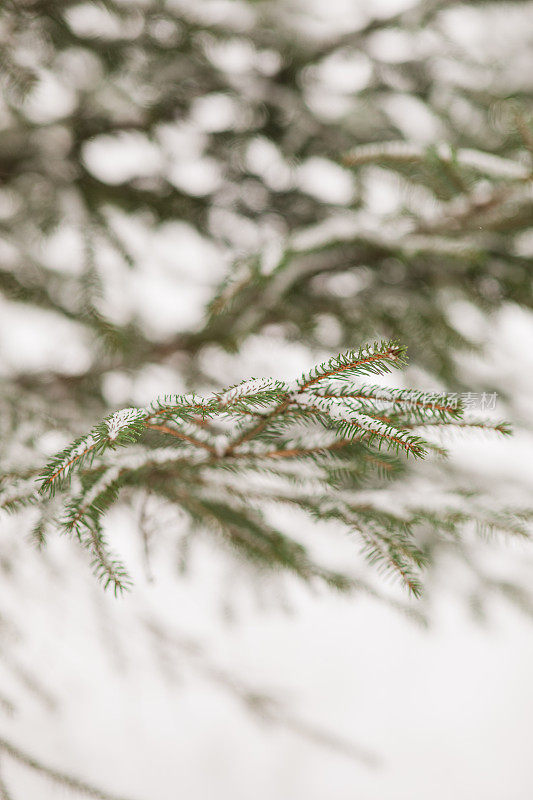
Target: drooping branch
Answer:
[[321, 422]]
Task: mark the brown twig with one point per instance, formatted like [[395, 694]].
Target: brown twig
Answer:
[[356, 363], [260, 426], [178, 435]]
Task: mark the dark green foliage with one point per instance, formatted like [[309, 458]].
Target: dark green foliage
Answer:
[[326, 427]]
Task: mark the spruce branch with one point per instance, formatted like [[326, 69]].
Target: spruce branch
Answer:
[[376, 359], [180, 435], [259, 427], [378, 397], [322, 421], [501, 427]]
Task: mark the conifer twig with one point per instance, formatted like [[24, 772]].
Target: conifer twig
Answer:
[[179, 435], [258, 427], [351, 423]]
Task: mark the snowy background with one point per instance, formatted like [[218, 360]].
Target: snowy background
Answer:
[[447, 711]]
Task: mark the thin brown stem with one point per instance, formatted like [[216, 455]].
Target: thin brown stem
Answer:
[[293, 452], [358, 362], [260, 426], [485, 426], [179, 435], [392, 401]]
